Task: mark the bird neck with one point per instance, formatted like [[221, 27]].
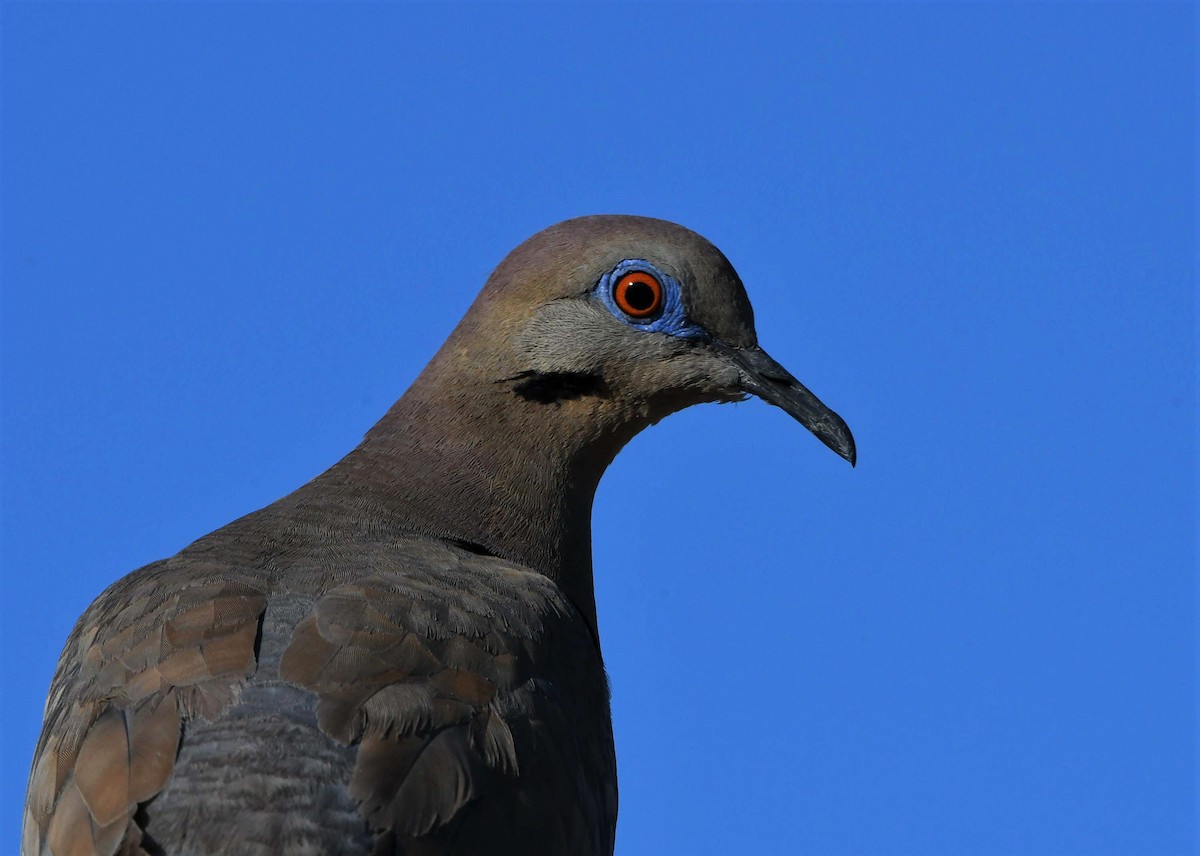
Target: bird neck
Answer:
[[469, 459]]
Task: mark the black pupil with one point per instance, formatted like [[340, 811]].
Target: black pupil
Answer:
[[639, 295]]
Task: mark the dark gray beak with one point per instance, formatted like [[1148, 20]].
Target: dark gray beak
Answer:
[[771, 382]]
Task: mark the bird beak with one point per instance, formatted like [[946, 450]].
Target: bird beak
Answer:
[[762, 376]]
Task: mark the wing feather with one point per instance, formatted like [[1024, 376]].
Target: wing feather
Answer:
[[115, 712], [424, 670]]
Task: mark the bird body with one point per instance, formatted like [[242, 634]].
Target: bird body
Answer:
[[402, 656]]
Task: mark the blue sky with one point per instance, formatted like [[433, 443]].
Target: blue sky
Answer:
[[233, 234]]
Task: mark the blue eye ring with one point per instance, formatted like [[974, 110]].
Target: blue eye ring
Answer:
[[665, 314]]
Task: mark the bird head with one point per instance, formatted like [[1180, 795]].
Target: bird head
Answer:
[[635, 316]]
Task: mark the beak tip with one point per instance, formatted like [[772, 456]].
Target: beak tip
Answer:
[[846, 449], [835, 433]]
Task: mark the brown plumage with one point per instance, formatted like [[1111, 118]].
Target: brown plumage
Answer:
[[401, 656]]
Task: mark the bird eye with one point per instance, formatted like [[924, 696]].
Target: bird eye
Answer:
[[638, 294]]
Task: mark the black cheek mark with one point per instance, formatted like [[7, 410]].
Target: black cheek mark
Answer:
[[557, 387], [472, 547]]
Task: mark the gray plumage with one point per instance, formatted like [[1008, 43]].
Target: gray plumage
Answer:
[[401, 656]]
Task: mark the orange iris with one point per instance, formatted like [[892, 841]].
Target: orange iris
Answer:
[[638, 294]]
